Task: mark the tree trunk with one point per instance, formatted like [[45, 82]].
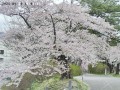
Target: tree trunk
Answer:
[[111, 68], [66, 75], [117, 69]]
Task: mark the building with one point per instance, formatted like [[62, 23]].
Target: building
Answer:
[[5, 53]]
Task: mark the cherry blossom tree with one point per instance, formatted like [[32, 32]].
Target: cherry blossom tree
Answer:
[[113, 56], [54, 29]]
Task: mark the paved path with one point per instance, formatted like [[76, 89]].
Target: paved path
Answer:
[[97, 82]]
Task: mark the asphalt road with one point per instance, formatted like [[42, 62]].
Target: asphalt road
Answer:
[[97, 82]]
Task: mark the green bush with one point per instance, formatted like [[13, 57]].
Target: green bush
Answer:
[[75, 70], [98, 69]]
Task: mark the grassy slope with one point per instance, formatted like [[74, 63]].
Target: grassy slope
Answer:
[[56, 84]]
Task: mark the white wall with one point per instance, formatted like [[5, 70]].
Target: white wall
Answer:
[[7, 53]]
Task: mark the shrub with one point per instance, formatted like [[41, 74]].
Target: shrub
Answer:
[[75, 70], [98, 69]]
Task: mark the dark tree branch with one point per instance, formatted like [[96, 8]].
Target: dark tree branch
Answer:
[[54, 31], [71, 24], [25, 20]]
